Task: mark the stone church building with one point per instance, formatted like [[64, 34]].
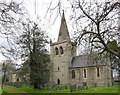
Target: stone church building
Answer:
[[67, 68]]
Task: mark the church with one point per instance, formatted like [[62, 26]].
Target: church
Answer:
[[67, 68]]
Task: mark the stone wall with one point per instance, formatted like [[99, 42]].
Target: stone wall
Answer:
[[91, 76]]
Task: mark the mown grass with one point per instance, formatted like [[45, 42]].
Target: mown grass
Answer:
[[0, 91], [92, 89], [4, 91]]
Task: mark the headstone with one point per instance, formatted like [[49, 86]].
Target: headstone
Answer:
[[41, 86], [95, 85], [71, 89], [74, 87], [86, 87], [45, 85], [56, 88], [66, 87], [24, 85], [60, 88], [48, 87], [108, 84], [83, 87], [69, 86], [53, 84], [78, 88], [85, 83], [17, 85], [51, 89], [63, 88]]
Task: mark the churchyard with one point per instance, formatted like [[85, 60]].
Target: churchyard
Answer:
[[75, 88]]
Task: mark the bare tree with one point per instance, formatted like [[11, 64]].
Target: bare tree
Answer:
[[100, 24], [10, 16]]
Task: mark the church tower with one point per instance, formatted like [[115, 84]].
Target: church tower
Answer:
[[61, 54]]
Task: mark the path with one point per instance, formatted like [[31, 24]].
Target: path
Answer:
[[17, 91]]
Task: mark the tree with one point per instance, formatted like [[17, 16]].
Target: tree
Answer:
[[32, 42], [8, 67], [10, 16], [24, 71], [100, 31], [94, 22]]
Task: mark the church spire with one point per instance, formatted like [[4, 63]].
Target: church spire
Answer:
[[63, 32]]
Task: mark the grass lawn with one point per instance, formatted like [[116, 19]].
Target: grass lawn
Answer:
[[112, 89], [0, 91], [4, 90]]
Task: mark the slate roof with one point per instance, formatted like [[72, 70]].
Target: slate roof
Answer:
[[85, 61]]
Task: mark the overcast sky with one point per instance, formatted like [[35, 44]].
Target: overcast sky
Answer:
[[38, 9]]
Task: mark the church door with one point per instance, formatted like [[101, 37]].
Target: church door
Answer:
[[58, 82]]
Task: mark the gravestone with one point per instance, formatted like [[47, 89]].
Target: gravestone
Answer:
[[85, 83], [63, 88], [83, 87], [60, 88], [41, 86], [53, 84], [78, 88], [95, 85], [45, 85], [86, 87], [74, 87], [51, 89], [17, 85], [24, 85], [66, 87], [56, 88], [71, 89], [48, 87]]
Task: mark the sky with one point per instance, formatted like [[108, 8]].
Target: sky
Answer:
[[38, 9]]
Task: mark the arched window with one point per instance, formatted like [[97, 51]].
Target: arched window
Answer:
[[58, 68], [98, 72], [73, 74], [56, 51], [58, 81], [61, 50], [84, 73]]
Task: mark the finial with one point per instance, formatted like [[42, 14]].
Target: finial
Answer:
[[50, 41], [63, 11]]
